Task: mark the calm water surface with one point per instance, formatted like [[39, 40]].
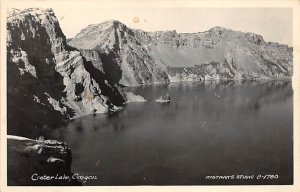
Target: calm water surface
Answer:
[[225, 128]]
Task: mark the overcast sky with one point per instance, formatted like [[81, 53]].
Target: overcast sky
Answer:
[[274, 24]]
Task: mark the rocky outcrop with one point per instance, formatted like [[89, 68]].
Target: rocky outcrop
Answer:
[[124, 60], [208, 71], [222, 53], [48, 81], [38, 162], [144, 57]]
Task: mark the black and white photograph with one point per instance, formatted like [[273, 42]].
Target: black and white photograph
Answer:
[[148, 96]]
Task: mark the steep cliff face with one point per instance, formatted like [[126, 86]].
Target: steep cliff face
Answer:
[[29, 160], [50, 81], [122, 57], [221, 53], [224, 53], [47, 80]]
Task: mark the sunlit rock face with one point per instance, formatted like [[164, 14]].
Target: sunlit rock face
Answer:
[[122, 57], [48, 81], [137, 57]]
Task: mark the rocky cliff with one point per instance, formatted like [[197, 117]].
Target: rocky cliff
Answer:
[[48, 81], [114, 49], [38, 162], [146, 57]]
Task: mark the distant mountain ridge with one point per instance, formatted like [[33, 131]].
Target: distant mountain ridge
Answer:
[[51, 79], [147, 57], [122, 58]]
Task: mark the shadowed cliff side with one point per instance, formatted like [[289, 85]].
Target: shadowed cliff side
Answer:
[[38, 162], [50, 82], [163, 56]]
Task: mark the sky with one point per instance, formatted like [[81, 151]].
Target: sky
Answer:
[[274, 24]]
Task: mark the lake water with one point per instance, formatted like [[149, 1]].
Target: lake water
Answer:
[[208, 129]]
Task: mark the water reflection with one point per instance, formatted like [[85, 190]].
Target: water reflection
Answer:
[[231, 127], [221, 128]]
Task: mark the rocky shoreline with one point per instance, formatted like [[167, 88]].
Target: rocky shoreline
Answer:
[[51, 80], [59, 79]]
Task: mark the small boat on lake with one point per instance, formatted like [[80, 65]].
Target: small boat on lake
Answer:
[[164, 99]]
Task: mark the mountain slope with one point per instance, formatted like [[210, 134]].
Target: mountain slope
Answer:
[[123, 58], [47, 81], [241, 55], [222, 53]]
